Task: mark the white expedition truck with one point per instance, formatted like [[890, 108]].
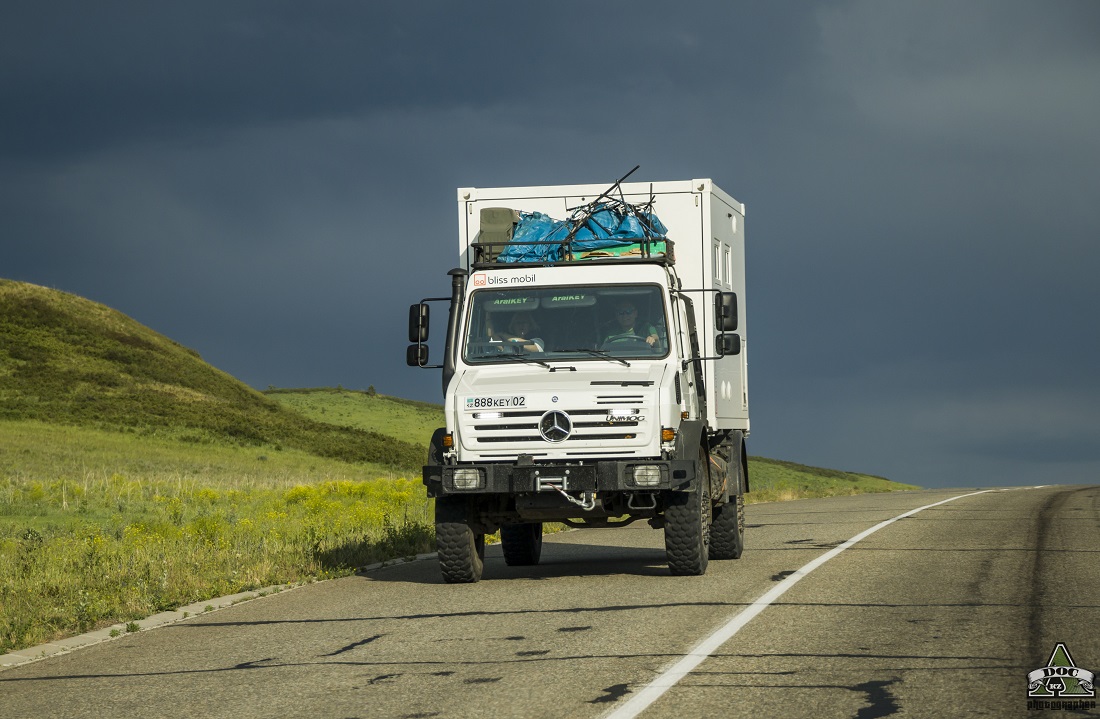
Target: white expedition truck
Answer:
[[592, 388]]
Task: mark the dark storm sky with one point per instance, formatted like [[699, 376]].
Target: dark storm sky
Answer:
[[272, 184]]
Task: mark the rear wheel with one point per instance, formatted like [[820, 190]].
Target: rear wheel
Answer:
[[461, 549], [727, 530], [687, 524], [522, 543]]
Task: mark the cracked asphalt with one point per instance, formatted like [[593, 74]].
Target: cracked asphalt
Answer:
[[939, 614]]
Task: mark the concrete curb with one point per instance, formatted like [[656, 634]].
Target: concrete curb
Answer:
[[116, 631]]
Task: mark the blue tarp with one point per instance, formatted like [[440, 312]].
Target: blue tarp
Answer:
[[535, 227], [607, 226], [613, 227]]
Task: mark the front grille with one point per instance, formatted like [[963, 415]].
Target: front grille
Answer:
[[590, 425], [573, 437]]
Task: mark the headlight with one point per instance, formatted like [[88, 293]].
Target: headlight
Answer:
[[647, 475], [466, 478]]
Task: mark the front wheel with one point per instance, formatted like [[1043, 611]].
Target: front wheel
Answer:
[[522, 543], [687, 524], [461, 550]]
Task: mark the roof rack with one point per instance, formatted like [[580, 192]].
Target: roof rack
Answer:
[[647, 250]]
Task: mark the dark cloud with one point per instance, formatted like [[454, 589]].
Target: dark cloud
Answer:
[[273, 183]]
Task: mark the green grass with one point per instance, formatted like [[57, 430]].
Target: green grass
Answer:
[[99, 527], [402, 419], [772, 480]]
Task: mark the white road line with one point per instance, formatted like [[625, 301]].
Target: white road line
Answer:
[[671, 676]]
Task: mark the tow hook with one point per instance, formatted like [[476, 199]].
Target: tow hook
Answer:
[[587, 501], [560, 484]]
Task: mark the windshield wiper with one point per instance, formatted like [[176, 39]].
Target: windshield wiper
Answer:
[[513, 358], [602, 354]]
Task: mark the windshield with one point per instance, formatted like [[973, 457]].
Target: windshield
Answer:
[[604, 322]]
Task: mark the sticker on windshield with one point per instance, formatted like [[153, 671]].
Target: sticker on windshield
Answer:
[[513, 402]]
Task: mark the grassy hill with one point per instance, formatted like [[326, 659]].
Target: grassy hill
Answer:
[[67, 360], [135, 477]]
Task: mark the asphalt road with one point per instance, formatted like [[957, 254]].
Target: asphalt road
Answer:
[[941, 613]]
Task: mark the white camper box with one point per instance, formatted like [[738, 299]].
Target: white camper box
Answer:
[[707, 228]]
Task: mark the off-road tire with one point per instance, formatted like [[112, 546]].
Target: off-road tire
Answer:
[[522, 544], [461, 549], [727, 529], [687, 524]]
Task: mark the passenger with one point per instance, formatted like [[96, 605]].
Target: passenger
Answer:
[[625, 326]]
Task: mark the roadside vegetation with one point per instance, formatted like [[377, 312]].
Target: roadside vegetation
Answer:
[[773, 480], [101, 527], [136, 478]]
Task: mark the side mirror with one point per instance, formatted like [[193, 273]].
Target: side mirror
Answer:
[[416, 355], [725, 311], [728, 344], [418, 322]]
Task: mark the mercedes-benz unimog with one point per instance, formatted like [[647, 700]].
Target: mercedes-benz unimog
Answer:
[[594, 371]]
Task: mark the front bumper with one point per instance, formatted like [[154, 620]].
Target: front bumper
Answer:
[[522, 478]]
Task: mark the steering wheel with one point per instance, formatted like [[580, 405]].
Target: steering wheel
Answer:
[[633, 339]]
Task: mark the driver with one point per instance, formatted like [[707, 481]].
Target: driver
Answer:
[[520, 328], [626, 325]]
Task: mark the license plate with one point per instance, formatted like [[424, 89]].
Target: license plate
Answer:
[[513, 402]]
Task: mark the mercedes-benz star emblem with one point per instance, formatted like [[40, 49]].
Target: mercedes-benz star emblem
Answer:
[[555, 426]]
